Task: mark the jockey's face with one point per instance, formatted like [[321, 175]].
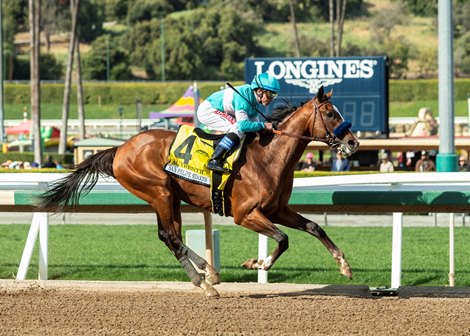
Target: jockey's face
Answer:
[[264, 97]]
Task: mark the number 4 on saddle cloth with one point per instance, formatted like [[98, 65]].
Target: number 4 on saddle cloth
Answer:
[[189, 153]]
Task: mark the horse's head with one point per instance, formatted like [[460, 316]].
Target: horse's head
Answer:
[[329, 126]]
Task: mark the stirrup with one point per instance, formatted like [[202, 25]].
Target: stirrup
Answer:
[[217, 166]]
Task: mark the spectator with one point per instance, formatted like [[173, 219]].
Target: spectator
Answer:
[[49, 163], [386, 166], [308, 164], [425, 164], [340, 163], [463, 164]]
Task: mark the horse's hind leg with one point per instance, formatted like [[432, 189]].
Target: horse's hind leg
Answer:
[[257, 222], [292, 219]]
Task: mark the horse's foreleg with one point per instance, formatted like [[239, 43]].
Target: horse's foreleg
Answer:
[[211, 275], [292, 219], [257, 222], [183, 254], [315, 230]]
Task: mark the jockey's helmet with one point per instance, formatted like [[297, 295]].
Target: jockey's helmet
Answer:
[[265, 81]]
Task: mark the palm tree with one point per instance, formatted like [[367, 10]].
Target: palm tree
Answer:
[[74, 4], [34, 24]]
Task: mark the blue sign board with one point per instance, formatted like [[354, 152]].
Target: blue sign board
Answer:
[[359, 84]]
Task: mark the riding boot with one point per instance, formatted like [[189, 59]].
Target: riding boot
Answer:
[[221, 152], [216, 162]]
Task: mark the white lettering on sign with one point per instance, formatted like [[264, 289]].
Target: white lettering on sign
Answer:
[[312, 74]]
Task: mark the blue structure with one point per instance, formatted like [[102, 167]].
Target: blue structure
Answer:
[[359, 84]]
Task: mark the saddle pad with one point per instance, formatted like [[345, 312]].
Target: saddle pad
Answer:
[[189, 155]]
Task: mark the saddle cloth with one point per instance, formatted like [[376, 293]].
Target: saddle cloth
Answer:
[[188, 157]]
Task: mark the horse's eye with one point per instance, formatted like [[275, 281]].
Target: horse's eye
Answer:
[[329, 114]]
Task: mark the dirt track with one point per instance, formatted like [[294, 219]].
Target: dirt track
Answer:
[[71, 308]]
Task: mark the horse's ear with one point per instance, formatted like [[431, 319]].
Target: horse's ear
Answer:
[[320, 93], [329, 94]]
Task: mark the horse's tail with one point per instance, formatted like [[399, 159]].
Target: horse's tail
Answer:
[[66, 191]]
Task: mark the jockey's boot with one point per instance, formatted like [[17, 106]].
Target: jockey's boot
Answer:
[[221, 152], [217, 161]]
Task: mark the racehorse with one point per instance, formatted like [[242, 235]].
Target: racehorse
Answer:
[[256, 194]]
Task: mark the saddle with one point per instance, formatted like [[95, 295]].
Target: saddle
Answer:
[[187, 159]]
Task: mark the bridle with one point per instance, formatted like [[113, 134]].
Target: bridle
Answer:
[[331, 138]]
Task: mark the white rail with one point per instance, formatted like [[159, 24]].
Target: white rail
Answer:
[[384, 182]]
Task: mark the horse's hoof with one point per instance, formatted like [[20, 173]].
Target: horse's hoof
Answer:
[[346, 271], [250, 264], [209, 291], [213, 279]]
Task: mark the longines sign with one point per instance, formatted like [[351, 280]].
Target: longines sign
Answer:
[[359, 84]]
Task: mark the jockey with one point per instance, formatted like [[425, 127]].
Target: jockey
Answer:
[[234, 112]]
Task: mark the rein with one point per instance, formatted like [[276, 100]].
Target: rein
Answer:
[[329, 139]]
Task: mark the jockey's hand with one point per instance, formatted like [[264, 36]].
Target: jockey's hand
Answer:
[[268, 126]]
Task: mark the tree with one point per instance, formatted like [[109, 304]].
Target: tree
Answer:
[[34, 28], [336, 35], [462, 55], [15, 18], [421, 7], [75, 5], [91, 15], [396, 48], [104, 51], [294, 27], [53, 19], [200, 44], [80, 100]]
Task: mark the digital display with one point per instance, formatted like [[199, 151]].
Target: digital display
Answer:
[[359, 84]]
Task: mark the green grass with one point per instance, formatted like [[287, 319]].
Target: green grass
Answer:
[[133, 252], [410, 109]]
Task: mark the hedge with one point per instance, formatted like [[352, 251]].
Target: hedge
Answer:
[[116, 93], [152, 93], [66, 159]]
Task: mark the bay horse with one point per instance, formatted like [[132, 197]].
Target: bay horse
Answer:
[[256, 194]]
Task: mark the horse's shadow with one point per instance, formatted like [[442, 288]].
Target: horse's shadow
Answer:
[[354, 291]]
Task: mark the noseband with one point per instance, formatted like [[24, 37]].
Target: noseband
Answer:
[[331, 136]]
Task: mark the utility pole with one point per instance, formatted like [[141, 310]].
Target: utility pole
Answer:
[[446, 160]]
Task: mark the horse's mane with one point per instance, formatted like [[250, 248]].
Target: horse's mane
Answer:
[[281, 111]]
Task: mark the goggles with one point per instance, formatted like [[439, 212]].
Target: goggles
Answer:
[[270, 94]]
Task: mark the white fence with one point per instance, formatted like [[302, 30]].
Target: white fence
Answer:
[[444, 182]]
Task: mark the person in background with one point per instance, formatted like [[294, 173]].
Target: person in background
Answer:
[[308, 164], [425, 164], [386, 166], [49, 163], [463, 164], [340, 163]]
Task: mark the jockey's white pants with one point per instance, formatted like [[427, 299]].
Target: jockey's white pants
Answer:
[[217, 120]]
